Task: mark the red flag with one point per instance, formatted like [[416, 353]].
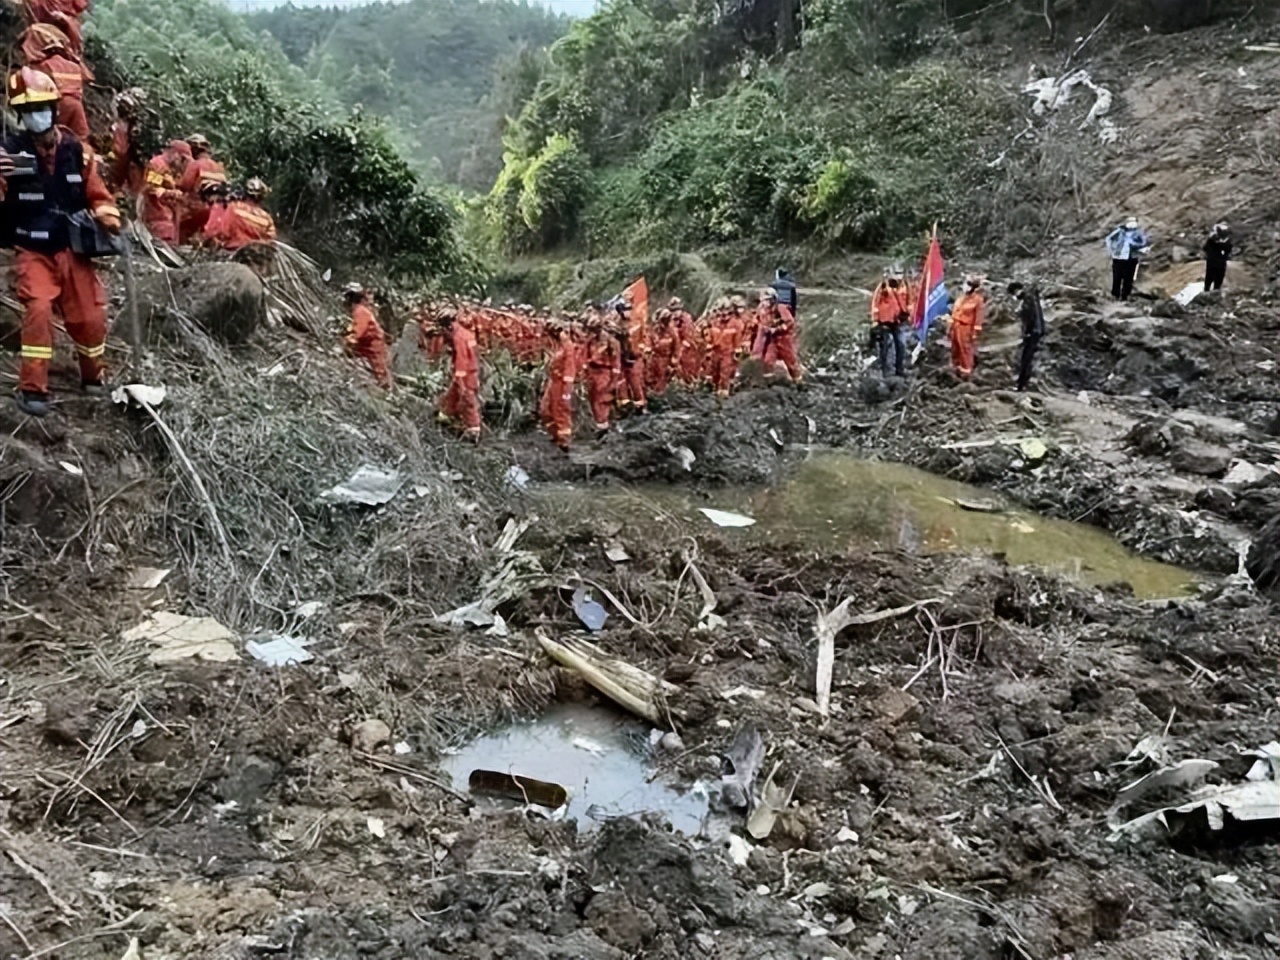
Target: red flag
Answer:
[[638, 295], [931, 297]]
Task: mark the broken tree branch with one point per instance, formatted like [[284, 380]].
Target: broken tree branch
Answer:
[[829, 626]]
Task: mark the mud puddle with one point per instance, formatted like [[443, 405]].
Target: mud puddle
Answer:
[[602, 759], [835, 503]]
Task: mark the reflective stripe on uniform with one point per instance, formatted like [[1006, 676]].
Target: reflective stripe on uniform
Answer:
[[33, 234], [259, 220], [84, 351], [74, 178], [36, 353]]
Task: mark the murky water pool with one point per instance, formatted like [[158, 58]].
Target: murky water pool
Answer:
[[836, 502], [602, 758]]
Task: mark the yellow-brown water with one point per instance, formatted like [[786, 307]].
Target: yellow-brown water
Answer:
[[835, 502]]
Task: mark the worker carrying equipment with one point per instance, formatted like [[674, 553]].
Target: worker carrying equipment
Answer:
[[47, 176], [161, 198]]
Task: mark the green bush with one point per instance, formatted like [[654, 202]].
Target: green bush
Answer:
[[341, 190]]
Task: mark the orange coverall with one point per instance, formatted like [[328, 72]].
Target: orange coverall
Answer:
[[690, 364], [665, 358], [161, 196], [635, 345], [603, 370], [69, 77], [64, 282], [723, 340], [777, 342], [237, 224], [461, 402], [125, 175], [557, 397], [194, 211], [967, 317], [366, 339]]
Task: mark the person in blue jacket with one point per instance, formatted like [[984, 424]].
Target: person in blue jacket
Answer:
[[1125, 243]]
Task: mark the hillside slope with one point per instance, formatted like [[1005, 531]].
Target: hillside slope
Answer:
[[433, 67]]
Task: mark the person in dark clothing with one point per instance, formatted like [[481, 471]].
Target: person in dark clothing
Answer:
[[786, 290], [1031, 314], [1217, 251]]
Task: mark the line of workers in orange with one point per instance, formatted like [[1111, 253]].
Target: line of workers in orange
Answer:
[[59, 199], [183, 192], [613, 352]]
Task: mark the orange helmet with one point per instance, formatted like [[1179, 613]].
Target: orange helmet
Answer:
[[42, 40], [29, 87]]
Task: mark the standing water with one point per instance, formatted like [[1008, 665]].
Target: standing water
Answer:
[[835, 503], [601, 758]]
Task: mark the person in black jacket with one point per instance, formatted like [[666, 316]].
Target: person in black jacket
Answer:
[[786, 290], [1031, 314], [1217, 251]]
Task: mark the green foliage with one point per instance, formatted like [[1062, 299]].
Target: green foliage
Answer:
[[535, 202], [340, 188], [429, 66], [553, 187]]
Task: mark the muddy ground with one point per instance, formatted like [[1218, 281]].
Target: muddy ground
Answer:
[[219, 810]]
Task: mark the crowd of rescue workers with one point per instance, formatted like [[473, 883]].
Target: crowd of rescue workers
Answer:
[[60, 207], [618, 359]]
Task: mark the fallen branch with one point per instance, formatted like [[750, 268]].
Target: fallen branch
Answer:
[[830, 624], [41, 879], [626, 685], [407, 770], [190, 467]]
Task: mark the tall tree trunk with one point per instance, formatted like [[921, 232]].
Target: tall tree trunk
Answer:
[[785, 28]]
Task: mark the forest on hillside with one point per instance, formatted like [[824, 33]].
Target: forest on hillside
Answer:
[[444, 72], [431, 140]]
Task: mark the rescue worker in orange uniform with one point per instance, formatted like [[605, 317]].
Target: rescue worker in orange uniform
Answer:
[[603, 372], [460, 404], [777, 337], [633, 341], [556, 409], [724, 340], [47, 175], [162, 199], [689, 364], [242, 221], [664, 356], [365, 337], [40, 11], [48, 49], [967, 317], [125, 168], [202, 171], [890, 315]]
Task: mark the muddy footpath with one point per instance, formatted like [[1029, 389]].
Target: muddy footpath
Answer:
[[1046, 728]]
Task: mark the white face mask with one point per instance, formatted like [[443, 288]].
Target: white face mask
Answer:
[[38, 121]]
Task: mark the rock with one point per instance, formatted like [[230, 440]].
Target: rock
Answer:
[[895, 705], [1263, 563], [616, 921], [1200, 458], [249, 780], [225, 300], [370, 735], [671, 742]]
